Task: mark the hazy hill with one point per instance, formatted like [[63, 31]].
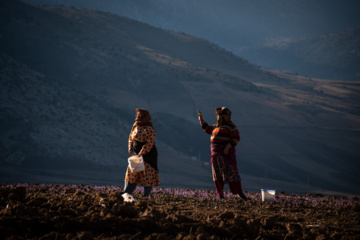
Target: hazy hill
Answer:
[[335, 55], [246, 28], [71, 80]]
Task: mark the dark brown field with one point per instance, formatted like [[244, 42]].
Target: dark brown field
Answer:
[[94, 212]]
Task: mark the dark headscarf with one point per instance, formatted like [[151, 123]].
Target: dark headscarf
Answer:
[[224, 115], [142, 119]]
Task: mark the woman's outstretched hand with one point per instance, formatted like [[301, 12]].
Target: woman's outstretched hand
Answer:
[[201, 120]]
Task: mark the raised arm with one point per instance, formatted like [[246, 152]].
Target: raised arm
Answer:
[[201, 120], [206, 128]]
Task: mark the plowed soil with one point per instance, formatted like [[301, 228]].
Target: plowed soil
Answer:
[[99, 212]]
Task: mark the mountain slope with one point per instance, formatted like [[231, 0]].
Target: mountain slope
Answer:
[[335, 55], [247, 27], [73, 78], [55, 123]]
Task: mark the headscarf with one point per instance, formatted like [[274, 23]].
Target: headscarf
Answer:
[[217, 111], [224, 115], [142, 118]]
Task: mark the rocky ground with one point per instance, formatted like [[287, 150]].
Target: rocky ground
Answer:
[[99, 212]]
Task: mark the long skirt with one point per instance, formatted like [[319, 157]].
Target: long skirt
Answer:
[[147, 178], [224, 167], [150, 176]]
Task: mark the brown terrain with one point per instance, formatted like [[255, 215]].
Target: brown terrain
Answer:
[[98, 212]]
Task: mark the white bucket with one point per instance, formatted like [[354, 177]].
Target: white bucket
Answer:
[[267, 195], [128, 197]]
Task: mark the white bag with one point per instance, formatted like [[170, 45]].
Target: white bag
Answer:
[[136, 163]]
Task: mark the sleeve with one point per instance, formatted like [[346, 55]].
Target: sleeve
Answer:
[[235, 136], [149, 140], [130, 143], [206, 128]]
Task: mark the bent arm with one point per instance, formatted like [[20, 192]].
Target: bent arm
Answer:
[[206, 128], [149, 141], [235, 136], [130, 145]]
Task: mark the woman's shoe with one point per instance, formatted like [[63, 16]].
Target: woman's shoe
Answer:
[[242, 195]]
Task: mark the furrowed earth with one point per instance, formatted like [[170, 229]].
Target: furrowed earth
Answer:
[[40, 211]]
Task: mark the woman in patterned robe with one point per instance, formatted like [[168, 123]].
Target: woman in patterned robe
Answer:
[[224, 137], [142, 143]]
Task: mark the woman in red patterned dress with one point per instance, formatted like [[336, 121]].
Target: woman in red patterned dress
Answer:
[[224, 137], [142, 143]]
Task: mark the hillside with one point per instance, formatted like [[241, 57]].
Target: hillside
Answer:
[[247, 28], [72, 78], [335, 55], [41, 119]]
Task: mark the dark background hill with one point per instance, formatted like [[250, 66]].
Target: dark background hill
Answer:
[[335, 55], [72, 78], [255, 30]]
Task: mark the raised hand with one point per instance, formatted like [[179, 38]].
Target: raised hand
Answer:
[[201, 120]]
